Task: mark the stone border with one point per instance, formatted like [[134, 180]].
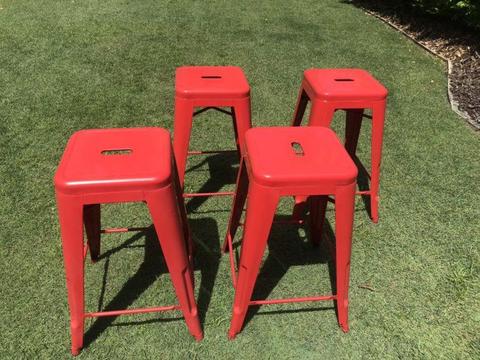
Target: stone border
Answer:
[[451, 100]]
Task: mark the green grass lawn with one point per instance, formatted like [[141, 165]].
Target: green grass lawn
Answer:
[[66, 66]]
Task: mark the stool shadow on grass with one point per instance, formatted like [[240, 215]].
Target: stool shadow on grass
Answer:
[[153, 265], [222, 171], [207, 259], [286, 248]]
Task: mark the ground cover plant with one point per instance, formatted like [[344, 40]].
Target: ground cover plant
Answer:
[[72, 65]]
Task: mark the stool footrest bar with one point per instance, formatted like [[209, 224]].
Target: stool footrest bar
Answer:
[[225, 193], [132, 311], [121, 230], [282, 222], [366, 192], [292, 300]]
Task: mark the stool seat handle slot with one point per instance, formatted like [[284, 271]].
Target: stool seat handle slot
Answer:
[[297, 149], [117, 152]]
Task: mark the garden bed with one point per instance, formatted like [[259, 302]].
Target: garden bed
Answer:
[[456, 44]]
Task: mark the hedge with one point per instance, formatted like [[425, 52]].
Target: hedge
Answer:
[[466, 11]]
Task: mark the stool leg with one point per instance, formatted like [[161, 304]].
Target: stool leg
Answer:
[[378, 118], [183, 211], [243, 122], [318, 207], [260, 212], [238, 204], [182, 128], [187, 235], [71, 229], [234, 122], [92, 221], [300, 107], [344, 210], [164, 210], [353, 124], [321, 114], [299, 207]]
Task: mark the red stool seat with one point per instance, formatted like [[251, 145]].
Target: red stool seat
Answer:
[[352, 90], [121, 165], [344, 84], [286, 161], [136, 162], [217, 82], [307, 166]]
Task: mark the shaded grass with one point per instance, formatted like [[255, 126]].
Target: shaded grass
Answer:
[[83, 64]]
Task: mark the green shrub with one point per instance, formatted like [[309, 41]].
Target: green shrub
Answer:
[[466, 11]]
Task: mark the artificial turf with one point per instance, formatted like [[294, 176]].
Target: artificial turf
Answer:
[[73, 65]]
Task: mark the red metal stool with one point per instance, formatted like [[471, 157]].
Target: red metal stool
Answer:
[[208, 87], [121, 165], [286, 161], [352, 90]]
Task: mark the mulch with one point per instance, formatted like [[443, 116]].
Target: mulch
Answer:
[[449, 40]]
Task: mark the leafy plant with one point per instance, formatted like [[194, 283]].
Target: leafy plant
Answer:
[[466, 11]]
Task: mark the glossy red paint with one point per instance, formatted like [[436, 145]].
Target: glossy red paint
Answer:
[[290, 161], [208, 87], [112, 166], [352, 90]]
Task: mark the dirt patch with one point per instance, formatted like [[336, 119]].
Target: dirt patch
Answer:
[[456, 44]]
